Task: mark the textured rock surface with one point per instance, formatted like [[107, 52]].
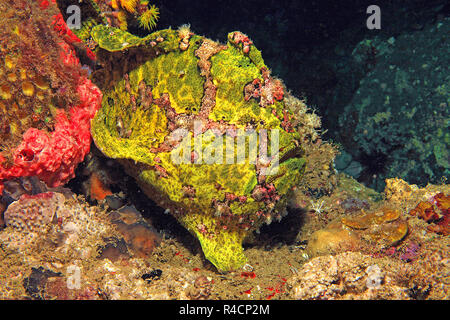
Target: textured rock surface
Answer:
[[32, 213], [353, 275]]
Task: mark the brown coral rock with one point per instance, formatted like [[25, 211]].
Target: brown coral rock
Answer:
[[138, 235], [332, 239], [365, 220], [381, 228], [398, 189], [201, 290]]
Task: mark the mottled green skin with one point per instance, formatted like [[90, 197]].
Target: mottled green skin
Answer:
[[196, 194]]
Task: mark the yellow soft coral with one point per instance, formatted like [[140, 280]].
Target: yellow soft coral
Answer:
[[122, 17], [148, 19], [129, 5], [147, 15]]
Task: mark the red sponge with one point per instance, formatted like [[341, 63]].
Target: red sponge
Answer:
[[52, 156]]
